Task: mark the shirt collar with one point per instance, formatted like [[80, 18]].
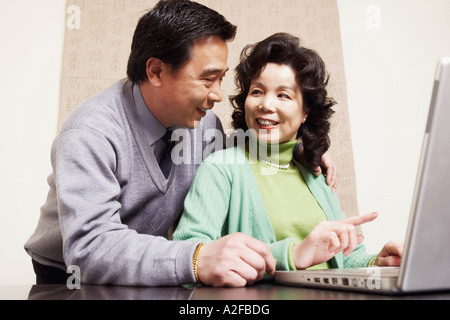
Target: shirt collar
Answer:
[[153, 129]]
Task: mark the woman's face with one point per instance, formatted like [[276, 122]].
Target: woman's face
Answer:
[[274, 105]]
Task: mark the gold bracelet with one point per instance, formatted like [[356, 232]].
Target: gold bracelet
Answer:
[[195, 261]]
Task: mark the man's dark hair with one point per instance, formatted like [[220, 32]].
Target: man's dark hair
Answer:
[[168, 32]]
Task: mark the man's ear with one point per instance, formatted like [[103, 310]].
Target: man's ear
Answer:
[[154, 68]]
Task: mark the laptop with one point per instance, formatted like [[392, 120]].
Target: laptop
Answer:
[[426, 257]]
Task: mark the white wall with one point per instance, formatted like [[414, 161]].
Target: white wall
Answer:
[[389, 75], [390, 51], [31, 37]]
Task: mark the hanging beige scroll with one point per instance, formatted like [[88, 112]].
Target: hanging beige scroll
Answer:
[[98, 39]]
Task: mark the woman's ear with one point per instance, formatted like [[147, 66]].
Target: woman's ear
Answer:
[[305, 117], [154, 69]]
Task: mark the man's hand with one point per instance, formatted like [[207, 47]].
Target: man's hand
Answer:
[[235, 260], [390, 255], [327, 239], [329, 168]]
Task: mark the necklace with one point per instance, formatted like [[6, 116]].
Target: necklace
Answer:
[[275, 165]]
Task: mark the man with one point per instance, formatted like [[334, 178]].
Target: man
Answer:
[[113, 196]]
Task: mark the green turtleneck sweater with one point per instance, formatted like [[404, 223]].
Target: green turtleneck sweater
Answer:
[[293, 210]]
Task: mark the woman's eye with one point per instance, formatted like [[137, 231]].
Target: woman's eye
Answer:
[[284, 96], [256, 92]]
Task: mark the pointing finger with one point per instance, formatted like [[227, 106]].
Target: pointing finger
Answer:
[[358, 220]]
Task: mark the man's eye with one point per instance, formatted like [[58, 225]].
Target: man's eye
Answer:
[[210, 81]]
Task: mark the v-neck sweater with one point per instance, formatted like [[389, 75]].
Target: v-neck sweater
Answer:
[[109, 206]]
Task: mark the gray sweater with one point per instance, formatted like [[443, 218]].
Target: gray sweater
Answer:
[[109, 207]]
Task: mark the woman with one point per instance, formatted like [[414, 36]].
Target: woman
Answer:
[[282, 100]]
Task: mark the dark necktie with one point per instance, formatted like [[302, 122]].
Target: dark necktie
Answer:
[[166, 160]]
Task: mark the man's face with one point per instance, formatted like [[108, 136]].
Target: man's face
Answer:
[[195, 88]]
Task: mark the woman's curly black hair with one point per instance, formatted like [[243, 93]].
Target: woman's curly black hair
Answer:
[[312, 79]]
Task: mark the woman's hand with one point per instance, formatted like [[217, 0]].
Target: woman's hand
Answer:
[[390, 255], [327, 239]]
